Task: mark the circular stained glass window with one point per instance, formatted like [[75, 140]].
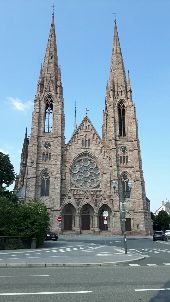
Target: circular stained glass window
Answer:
[[85, 172]]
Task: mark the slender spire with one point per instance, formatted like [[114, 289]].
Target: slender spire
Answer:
[[49, 70], [117, 70]]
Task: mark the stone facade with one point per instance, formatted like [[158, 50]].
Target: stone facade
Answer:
[[75, 179]]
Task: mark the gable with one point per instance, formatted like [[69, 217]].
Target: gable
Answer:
[[86, 133]]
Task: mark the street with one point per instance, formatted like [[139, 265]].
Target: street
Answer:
[[146, 280], [130, 284]]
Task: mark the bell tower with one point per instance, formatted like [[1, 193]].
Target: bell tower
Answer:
[[46, 143], [120, 136]]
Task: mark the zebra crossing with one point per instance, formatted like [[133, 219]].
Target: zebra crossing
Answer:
[[148, 264]]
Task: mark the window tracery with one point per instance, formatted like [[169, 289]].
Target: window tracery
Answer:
[[45, 183], [85, 172], [123, 157], [121, 116], [48, 114]]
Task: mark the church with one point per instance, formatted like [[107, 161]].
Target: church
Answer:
[[91, 184]]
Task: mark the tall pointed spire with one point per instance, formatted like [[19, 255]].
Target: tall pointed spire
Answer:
[[117, 70], [49, 71]]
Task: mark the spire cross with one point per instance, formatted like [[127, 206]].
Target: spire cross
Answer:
[[87, 111], [53, 6], [114, 16]]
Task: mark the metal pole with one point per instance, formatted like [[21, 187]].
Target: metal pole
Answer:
[[123, 214]]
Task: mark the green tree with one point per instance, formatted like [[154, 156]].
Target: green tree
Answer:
[[7, 174], [162, 220], [30, 219], [153, 218]]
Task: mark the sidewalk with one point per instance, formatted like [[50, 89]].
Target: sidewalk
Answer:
[[72, 255]]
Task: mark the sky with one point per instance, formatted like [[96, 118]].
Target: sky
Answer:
[[84, 30]]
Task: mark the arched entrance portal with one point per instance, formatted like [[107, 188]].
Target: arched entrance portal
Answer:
[[87, 217], [69, 217], [104, 217]]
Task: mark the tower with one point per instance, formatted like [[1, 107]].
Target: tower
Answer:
[[120, 135], [46, 143]]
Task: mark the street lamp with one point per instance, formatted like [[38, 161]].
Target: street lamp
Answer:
[[123, 187]]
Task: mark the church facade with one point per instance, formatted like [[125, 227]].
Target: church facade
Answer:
[[90, 184]]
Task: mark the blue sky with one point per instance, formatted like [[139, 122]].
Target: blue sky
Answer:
[[84, 40]]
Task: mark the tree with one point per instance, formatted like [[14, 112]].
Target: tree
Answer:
[[7, 174], [162, 220], [153, 218], [29, 220]]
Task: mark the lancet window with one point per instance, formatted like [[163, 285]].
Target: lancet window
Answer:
[[45, 183], [121, 115], [48, 114], [123, 157], [125, 183]]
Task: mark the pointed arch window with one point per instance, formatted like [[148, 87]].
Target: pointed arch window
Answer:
[[48, 114], [45, 183], [125, 184], [121, 116], [123, 158]]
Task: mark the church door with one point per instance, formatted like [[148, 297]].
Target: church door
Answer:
[[69, 217], [68, 222], [104, 218], [86, 217]]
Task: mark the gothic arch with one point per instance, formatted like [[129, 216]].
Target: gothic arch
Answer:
[[48, 118], [104, 220], [122, 118], [86, 217], [45, 183], [68, 213]]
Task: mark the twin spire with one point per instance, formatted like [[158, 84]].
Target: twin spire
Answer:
[[50, 70], [117, 79], [50, 74]]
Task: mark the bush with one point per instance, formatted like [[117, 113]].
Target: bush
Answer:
[[26, 220]]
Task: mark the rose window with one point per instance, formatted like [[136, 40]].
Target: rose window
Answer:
[[85, 173]]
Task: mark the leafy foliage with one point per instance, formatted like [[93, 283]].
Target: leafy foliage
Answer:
[[7, 174], [30, 219], [162, 220]]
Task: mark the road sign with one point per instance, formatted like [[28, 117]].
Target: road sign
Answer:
[[105, 213], [59, 218]]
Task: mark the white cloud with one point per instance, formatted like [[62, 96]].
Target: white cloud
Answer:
[[19, 104]]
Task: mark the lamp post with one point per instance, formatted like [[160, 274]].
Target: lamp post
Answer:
[[123, 188]]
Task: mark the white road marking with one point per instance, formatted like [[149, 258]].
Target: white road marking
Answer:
[[39, 275], [61, 250], [46, 293], [104, 255], [13, 258], [134, 264], [32, 257], [166, 263], [151, 289], [152, 264]]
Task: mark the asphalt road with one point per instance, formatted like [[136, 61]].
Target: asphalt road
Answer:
[[92, 284], [95, 250]]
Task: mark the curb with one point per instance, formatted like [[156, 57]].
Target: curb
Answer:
[[93, 264]]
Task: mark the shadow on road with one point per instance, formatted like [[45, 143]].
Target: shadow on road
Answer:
[[163, 295]]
